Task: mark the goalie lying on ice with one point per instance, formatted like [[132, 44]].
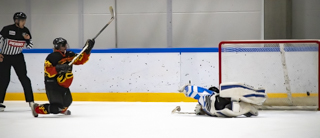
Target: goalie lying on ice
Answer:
[[234, 99]]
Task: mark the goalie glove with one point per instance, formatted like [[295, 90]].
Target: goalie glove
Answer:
[[183, 90]]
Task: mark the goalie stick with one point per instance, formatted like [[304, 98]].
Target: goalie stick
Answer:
[[86, 45], [177, 110]]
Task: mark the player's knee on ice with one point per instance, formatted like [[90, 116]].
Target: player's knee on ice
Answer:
[[55, 108]]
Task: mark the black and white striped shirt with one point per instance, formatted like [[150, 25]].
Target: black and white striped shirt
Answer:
[[12, 41]]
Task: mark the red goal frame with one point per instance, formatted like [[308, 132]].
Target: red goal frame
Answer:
[[268, 42]]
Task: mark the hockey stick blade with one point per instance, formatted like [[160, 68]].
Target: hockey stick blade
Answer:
[[86, 46], [112, 12], [112, 18]]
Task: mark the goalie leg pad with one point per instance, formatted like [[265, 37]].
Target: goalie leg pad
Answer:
[[237, 109], [242, 92]]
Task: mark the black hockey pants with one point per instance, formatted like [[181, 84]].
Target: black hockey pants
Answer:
[[58, 96]]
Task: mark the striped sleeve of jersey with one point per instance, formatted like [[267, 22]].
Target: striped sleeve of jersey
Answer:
[[195, 92], [203, 96], [29, 44], [1, 42]]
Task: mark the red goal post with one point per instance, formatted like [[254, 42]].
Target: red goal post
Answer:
[[289, 69]]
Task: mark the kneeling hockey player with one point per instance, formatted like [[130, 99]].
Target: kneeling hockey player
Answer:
[[58, 77], [234, 99]]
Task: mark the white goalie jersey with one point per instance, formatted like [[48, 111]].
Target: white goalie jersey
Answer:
[[234, 99]]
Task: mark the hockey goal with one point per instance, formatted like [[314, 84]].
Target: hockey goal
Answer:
[[287, 69]]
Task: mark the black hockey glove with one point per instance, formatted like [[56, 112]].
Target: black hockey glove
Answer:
[[70, 54], [64, 68], [90, 43]]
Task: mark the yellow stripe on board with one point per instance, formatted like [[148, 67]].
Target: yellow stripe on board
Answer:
[[112, 97], [133, 97], [284, 95], [20, 97]]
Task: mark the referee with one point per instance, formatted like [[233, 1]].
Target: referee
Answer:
[[12, 40]]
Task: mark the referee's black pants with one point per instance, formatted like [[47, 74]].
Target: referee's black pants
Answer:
[[19, 65]]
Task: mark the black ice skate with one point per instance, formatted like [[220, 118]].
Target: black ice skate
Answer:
[[2, 107], [68, 112], [33, 109]]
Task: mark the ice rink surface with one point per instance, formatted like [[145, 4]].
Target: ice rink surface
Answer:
[[152, 120]]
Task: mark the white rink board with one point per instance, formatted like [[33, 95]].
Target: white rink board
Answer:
[[122, 72], [129, 72], [201, 68], [166, 72]]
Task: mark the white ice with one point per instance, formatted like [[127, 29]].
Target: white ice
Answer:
[[152, 120]]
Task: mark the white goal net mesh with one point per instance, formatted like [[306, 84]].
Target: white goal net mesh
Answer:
[[287, 69]]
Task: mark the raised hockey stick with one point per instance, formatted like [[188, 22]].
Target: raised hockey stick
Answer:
[[86, 45], [177, 110]]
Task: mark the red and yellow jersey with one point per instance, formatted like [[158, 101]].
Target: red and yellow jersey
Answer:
[[56, 58]]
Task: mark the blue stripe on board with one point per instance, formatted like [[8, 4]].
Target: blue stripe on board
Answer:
[[270, 49], [131, 50], [177, 50], [241, 86], [37, 50]]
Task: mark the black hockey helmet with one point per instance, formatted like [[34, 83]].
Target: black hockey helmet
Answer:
[[19, 15], [58, 42]]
